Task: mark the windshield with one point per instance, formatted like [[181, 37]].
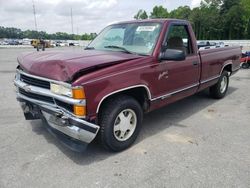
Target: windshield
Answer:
[[139, 38]]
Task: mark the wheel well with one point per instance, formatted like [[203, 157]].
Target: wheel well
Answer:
[[138, 93], [228, 68]]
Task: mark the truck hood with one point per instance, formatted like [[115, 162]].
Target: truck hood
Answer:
[[62, 66]]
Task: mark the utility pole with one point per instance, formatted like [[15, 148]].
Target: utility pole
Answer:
[[34, 12], [72, 28]]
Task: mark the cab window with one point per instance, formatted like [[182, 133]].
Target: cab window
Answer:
[[179, 39]]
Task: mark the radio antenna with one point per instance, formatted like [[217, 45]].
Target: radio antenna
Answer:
[[34, 12], [71, 14]]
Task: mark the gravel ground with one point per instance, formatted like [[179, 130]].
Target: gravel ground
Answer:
[[196, 142]]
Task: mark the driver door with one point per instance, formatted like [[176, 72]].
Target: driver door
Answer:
[[179, 78]]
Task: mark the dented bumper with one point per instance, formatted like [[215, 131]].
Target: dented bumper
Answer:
[[57, 117]]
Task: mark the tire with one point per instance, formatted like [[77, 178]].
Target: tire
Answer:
[[245, 65], [218, 91], [120, 123]]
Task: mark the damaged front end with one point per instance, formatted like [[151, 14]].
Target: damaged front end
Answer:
[[38, 102]]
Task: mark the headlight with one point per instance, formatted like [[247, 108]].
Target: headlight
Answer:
[[60, 90], [75, 93]]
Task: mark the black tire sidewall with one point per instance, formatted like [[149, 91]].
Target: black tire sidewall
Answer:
[[224, 74], [245, 65], [108, 133], [215, 89]]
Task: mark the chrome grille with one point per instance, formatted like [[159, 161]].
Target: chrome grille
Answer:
[[35, 82], [38, 88], [36, 96]]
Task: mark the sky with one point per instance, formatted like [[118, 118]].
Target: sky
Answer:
[[88, 15]]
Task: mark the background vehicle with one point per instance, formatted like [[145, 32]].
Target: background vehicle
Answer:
[[4, 42], [129, 69], [61, 43], [26, 41], [220, 44], [203, 44], [209, 45], [245, 60], [74, 44], [13, 42], [37, 43]]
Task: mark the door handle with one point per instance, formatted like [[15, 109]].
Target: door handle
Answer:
[[195, 63]]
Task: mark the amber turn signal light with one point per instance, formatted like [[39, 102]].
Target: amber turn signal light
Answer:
[[78, 93], [80, 110]]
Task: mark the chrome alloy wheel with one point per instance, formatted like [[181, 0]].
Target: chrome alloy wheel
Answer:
[[125, 124], [223, 84]]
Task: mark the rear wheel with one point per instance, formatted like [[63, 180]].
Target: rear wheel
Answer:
[[219, 90], [245, 65], [120, 123]]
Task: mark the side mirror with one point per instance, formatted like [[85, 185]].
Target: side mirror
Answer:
[[172, 54]]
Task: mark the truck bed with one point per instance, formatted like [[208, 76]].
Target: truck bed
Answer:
[[212, 61]]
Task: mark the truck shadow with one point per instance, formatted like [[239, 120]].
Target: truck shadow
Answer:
[[153, 123]]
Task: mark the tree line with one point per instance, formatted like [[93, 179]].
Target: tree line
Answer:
[[15, 33], [212, 20]]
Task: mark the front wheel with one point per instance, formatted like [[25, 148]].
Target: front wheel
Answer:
[[120, 123], [219, 90]]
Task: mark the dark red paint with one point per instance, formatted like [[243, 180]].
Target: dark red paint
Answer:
[[99, 78]]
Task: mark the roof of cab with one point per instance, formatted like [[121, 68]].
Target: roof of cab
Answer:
[[150, 21]]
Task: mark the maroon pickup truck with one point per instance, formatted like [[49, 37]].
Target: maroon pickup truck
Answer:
[[129, 69]]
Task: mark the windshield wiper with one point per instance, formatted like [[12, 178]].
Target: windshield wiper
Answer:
[[89, 48], [119, 47]]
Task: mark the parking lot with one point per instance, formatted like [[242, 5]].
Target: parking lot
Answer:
[[196, 142]]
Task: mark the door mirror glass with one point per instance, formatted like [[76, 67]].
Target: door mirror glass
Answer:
[[174, 55]]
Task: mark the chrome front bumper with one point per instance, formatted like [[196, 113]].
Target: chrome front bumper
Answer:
[[72, 127], [60, 120], [56, 117]]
